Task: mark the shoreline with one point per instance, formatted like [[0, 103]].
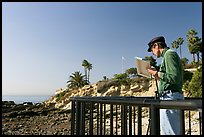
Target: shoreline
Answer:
[[26, 98]]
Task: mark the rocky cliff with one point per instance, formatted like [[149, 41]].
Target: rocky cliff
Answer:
[[101, 88]]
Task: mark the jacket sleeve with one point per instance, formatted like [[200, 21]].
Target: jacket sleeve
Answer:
[[172, 64]]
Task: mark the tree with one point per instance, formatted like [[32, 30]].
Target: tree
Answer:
[[85, 64], [194, 87], [132, 72], [76, 80], [174, 45], [177, 44], [184, 61], [180, 42], [193, 43], [89, 67], [122, 79], [198, 46]]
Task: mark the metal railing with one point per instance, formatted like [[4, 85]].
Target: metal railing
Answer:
[[117, 115]]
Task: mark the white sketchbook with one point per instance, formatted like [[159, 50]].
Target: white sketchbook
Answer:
[[142, 67]]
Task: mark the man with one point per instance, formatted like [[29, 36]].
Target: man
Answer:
[[170, 81]]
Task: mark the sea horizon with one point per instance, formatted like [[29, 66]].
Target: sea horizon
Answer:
[[19, 99]]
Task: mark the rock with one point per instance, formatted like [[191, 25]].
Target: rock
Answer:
[[8, 103], [27, 103]]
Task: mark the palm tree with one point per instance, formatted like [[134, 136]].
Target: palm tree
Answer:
[[180, 42], [89, 67], [184, 61], [192, 40], [85, 64], [198, 46], [174, 45], [76, 80]]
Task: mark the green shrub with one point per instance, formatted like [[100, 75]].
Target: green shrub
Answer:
[[59, 96], [194, 87], [187, 76], [103, 86]]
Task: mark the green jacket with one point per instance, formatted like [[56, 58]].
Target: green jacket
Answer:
[[171, 71]]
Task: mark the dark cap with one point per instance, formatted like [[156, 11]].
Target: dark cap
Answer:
[[156, 39]]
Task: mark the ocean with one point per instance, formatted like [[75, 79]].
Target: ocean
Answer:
[[20, 99]]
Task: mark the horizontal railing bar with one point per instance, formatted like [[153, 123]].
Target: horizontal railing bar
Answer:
[[181, 104], [189, 104], [119, 97]]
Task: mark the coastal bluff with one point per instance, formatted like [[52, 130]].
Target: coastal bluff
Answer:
[[53, 116], [102, 88]]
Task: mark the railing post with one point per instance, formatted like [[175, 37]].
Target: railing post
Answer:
[[73, 118], [116, 117], [111, 119], [182, 122], [123, 120], [82, 119], [149, 122], [155, 120], [130, 120], [91, 119], [134, 120], [101, 118], [200, 121], [97, 118], [77, 117], [139, 119], [104, 119]]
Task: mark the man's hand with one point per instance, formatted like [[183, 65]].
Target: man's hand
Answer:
[[154, 72]]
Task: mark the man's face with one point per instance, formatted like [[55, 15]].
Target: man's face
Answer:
[[155, 50]]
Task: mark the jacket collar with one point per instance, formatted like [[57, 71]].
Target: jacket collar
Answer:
[[164, 51]]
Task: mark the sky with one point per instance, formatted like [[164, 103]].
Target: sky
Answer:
[[43, 43]]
